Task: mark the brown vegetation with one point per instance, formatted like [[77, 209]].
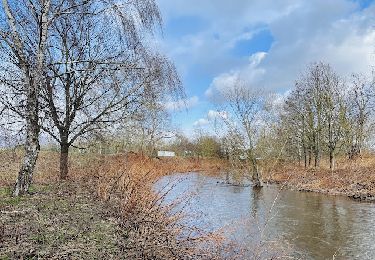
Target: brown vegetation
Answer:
[[130, 220], [354, 178]]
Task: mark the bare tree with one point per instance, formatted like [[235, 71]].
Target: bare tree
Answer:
[[245, 106], [360, 103], [294, 123], [334, 112], [23, 39], [79, 65], [327, 115], [155, 126], [315, 105], [100, 73]]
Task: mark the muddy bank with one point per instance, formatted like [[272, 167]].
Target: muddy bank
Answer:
[[359, 195]]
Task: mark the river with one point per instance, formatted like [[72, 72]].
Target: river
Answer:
[[309, 225]]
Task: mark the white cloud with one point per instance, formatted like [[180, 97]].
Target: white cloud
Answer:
[[222, 83], [334, 32], [251, 73], [181, 104], [229, 15], [201, 122], [211, 117], [225, 23]]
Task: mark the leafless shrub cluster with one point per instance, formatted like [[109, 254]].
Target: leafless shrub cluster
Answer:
[[156, 228]]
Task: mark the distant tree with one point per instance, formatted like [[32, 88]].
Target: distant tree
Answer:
[[233, 148], [208, 146], [323, 114], [334, 113], [154, 123], [294, 124], [272, 137], [182, 145], [360, 103]]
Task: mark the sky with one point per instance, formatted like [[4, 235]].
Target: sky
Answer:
[[265, 43]]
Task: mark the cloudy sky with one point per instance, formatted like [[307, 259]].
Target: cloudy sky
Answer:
[[266, 43]]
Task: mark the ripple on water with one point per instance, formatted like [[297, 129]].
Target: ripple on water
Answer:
[[315, 225]]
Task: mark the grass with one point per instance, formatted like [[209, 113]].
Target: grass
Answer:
[[62, 221]]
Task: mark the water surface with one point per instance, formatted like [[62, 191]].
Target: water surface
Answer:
[[315, 226]]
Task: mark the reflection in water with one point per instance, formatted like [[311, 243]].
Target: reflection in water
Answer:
[[314, 225], [256, 196]]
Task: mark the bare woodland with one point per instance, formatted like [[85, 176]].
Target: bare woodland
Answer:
[[326, 115]]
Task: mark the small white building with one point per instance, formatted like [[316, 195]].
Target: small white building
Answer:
[[166, 154]]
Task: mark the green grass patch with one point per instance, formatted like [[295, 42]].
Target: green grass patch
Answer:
[[5, 192], [11, 201]]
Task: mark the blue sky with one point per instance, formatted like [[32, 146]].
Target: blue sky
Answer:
[[265, 43]]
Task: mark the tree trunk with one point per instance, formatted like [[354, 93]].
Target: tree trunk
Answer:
[[64, 156], [304, 142], [32, 147], [331, 159], [25, 175], [256, 181], [255, 177], [317, 154], [33, 83]]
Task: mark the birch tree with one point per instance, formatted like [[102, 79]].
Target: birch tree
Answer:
[[100, 72], [23, 39]]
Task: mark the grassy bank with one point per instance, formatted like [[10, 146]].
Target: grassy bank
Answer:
[[107, 209], [58, 222], [352, 178]]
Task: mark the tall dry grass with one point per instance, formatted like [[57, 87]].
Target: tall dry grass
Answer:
[[154, 229], [355, 178], [154, 232]]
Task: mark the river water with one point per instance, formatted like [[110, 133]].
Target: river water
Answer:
[[309, 225]]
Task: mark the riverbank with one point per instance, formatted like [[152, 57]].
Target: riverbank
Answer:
[[107, 209], [354, 179], [58, 222]]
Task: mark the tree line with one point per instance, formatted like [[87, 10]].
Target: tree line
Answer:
[[328, 115], [324, 116]]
